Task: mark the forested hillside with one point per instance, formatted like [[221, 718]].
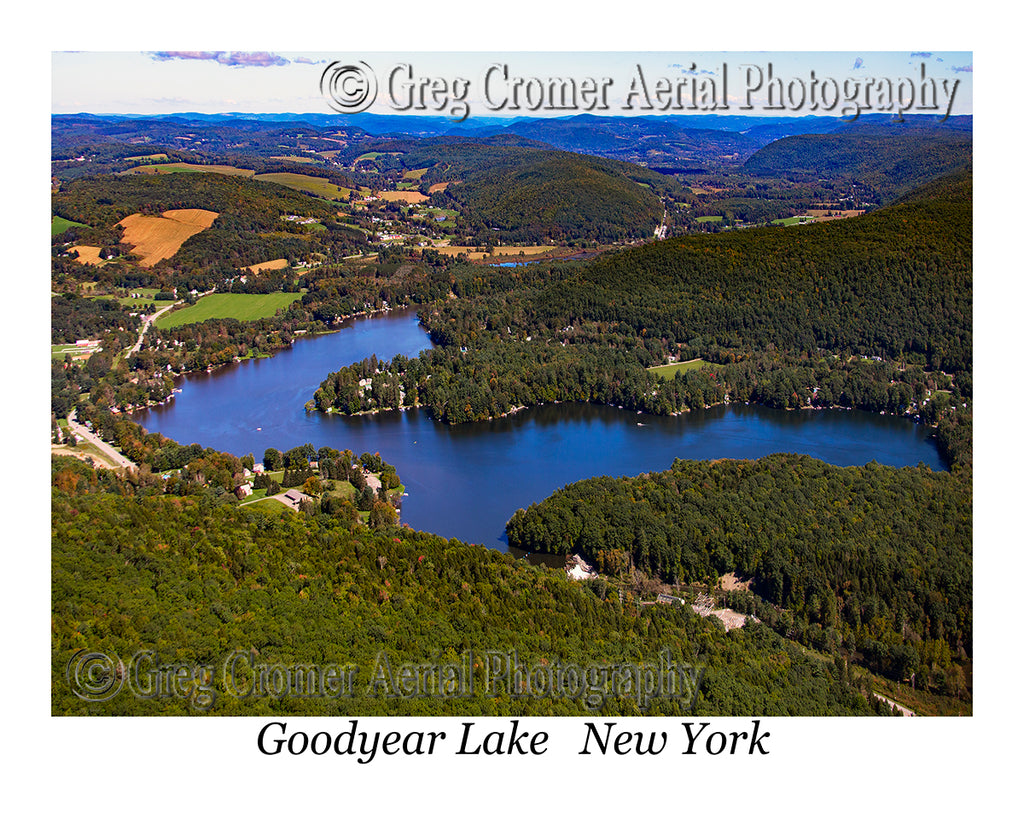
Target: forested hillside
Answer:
[[194, 582], [890, 159], [873, 312], [248, 230], [872, 560], [528, 194]]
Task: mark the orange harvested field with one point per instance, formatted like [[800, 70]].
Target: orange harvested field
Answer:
[[87, 254], [412, 197], [473, 254], [825, 215], [275, 264], [159, 237], [440, 186]]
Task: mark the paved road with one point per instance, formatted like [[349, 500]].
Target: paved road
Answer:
[[146, 322], [108, 451], [893, 704]]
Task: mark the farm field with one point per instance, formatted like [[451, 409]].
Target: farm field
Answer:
[[273, 264], [146, 297], [832, 213], [305, 160], [709, 218], [308, 184], [669, 370], [59, 224], [432, 213], [440, 186], [159, 237], [241, 306], [188, 167], [87, 254], [375, 155], [510, 250], [410, 197], [149, 157]]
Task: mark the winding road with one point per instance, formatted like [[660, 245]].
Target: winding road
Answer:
[[146, 322]]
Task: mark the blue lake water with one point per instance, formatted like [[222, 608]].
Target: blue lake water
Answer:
[[466, 481]]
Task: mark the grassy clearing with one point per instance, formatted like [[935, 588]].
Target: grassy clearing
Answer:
[[60, 350], [432, 213], [826, 214], [188, 167], [267, 505], [667, 371], [416, 173], [149, 157], [376, 155], [793, 220], [709, 218], [305, 160], [145, 298], [308, 184], [241, 306], [59, 224]]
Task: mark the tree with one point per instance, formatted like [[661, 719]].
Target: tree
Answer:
[[382, 514], [272, 459]]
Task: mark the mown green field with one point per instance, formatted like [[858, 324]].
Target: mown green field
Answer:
[[669, 370], [60, 350], [241, 306], [189, 167], [709, 218], [60, 224], [146, 298], [309, 184]]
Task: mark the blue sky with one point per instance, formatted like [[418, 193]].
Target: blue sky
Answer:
[[265, 81]]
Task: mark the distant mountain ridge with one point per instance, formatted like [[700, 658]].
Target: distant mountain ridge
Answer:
[[703, 141], [893, 161]]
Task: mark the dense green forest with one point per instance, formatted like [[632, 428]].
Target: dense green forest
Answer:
[[888, 159], [524, 194], [73, 317], [871, 560], [194, 581], [873, 313]]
